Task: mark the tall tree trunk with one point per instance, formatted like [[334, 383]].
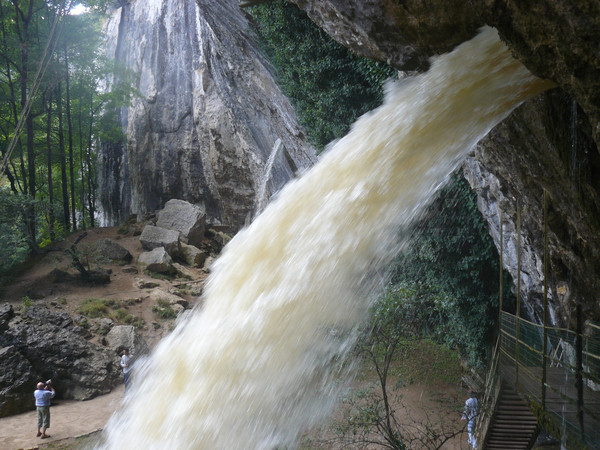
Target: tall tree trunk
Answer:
[[70, 137], [89, 164], [63, 158], [24, 43], [81, 159], [13, 107], [49, 161]]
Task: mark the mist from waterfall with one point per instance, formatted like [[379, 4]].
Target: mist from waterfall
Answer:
[[259, 363]]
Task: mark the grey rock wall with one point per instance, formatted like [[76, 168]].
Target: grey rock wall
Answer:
[[207, 117], [545, 144]]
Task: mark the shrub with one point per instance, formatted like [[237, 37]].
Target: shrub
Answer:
[[163, 310], [94, 308]]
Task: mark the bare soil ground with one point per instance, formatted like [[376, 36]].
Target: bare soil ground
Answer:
[[423, 400], [35, 285]]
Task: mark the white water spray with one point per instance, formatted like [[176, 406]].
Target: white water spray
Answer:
[[253, 368]]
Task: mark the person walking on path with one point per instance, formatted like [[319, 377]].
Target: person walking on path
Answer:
[[470, 413], [125, 364], [43, 394]]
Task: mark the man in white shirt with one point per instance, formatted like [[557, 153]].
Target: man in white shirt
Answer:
[[43, 394], [125, 359], [470, 413]]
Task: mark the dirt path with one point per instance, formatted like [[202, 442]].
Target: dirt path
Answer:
[[69, 419]]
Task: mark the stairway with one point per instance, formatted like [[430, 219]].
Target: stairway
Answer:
[[512, 425]]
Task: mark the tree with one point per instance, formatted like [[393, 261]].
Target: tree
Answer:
[[452, 258], [371, 414], [45, 166], [329, 86]]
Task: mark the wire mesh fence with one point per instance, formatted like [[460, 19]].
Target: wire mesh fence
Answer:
[[565, 385]]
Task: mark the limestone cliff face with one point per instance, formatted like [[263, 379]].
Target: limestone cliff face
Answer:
[[550, 143], [207, 118], [545, 144]]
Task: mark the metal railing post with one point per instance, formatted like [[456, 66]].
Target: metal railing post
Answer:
[[545, 318], [518, 292], [579, 369], [501, 270]]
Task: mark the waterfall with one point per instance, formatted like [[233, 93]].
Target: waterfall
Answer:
[[262, 196], [257, 365]]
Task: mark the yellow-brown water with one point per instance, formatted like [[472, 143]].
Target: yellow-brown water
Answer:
[[255, 367]]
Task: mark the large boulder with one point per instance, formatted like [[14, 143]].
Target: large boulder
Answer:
[[6, 313], [182, 216], [158, 260], [40, 344], [161, 297], [110, 250], [153, 237], [126, 336], [17, 382], [193, 256]]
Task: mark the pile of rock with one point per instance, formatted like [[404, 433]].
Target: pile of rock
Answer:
[[37, 344], [180, 233]]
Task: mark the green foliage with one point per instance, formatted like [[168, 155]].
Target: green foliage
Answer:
[[328, 85], [121, 315], [99, 307], [163, 310], [14, 243], [452, 266], [395, 352], [424, 361], [96, 307], [51, 172]]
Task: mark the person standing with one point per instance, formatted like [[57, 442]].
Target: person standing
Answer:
[[43, 394], [125, 364], [470, 413]]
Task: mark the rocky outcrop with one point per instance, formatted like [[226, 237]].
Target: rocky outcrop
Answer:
[[37, 345], [185, 218], [207, 118], [550, 143], [122, 337], [526, 154], [110, 250], [156, 237], [157, 260]]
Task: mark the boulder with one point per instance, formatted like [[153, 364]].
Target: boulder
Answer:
[[17, 382], [183, 272], [126, 336], [192, 255], [40, 344], [6, 313], [59, 276], [187, 219], [109, 249], [160, 296], [102, 325], [153, 237], [158, 260]]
